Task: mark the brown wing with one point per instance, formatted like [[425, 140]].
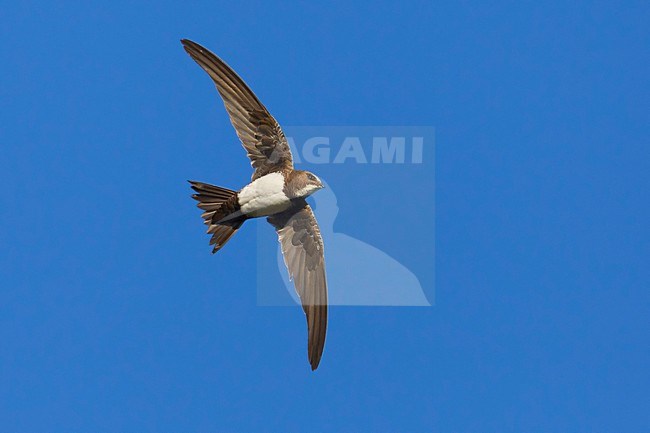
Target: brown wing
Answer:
[[258, 131], [302, 248]]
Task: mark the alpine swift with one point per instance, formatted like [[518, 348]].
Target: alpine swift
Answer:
[[276, 191]]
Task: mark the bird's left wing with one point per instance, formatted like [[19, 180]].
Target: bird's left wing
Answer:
[[302, 248], [258, 131]]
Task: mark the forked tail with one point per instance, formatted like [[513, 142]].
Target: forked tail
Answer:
[[221, 212]]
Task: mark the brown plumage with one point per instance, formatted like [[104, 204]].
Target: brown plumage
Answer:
[[219, 204], [276, 191], [302, 248]]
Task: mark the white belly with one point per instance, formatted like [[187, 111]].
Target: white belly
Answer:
[[264, 196]]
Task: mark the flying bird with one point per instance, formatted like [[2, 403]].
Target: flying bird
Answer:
[[277, 191]]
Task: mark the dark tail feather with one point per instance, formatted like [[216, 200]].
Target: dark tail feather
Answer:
[[218, 204]]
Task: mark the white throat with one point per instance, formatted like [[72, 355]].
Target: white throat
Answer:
[[307, 191]]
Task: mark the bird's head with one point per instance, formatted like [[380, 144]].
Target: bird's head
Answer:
[[303, 184]]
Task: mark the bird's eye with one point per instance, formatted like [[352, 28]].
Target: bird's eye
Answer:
[[311, 177]]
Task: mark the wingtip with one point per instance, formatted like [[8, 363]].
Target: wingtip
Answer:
[[190, 46]]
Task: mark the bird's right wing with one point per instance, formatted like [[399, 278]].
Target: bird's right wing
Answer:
[[302, 248], [258, 131]]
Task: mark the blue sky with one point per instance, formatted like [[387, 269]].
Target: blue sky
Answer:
[[114, 317]]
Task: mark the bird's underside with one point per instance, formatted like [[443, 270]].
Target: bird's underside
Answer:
[[276, 191]]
